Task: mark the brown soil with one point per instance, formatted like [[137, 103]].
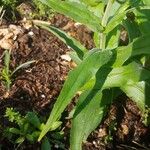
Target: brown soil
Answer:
[[37, 87]]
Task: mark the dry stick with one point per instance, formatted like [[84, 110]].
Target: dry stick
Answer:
[[37, 22]]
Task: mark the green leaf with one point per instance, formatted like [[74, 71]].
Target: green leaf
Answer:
[[147, 2], [55, 125], [117, 19], [7, 61], [74, 44], [120, 76], [142, 18], [29, 137], [96, 38], [76, 79], [75, 58], [15, 131], [98, 10], [140, 46], [6, 71], [91, 2], [20, 140], [24, 65], [112, 39], [78, 12], [33, 119], [132, 28], [45, 144], [138, 92], [89, 112]]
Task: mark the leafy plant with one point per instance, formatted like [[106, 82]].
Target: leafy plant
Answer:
[[41, 9], [11, 3], [108, 66], [27, 128], [7, 73], [12, 8]]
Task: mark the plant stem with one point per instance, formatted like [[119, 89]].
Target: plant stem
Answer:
[[104, 23]]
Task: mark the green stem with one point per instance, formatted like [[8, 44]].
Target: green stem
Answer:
[[102, 40], [104, 23]]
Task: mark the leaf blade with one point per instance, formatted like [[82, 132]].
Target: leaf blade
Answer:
[[77, 78], [74, 44]]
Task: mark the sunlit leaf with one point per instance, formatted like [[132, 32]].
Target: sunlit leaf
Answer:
[[89, 112], [138, 92], [76, 79]]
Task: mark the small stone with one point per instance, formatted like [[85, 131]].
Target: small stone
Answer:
[[77, 24], [42, 95], [66, 57], [30, 33]]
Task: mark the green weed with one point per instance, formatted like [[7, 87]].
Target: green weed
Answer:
[[7, 74]]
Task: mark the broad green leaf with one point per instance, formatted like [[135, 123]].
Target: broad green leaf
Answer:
[[147, 2], [115, 7], [76, 11], [117, 18], [121, 75], [138, 92], [45, 144], [98, 10], [76, 79], [85, 119], [91, 2], [33, 119], [24, 65], [112, 39], [89, 112], [132, 28], [115, 21], [140, 46], [142, 18], [74, 44]]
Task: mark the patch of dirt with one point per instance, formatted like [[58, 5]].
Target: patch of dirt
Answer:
[[122, 129], [76, 30], [37, 86]]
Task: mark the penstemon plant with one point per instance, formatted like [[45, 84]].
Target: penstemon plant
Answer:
[[109, 68]]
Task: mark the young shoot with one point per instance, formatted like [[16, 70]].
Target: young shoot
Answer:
[[6, 73]]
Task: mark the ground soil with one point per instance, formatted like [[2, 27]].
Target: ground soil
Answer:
[[38, 86]]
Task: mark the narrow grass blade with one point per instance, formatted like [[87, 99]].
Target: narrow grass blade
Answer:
[[74, 44], [24, 65]]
